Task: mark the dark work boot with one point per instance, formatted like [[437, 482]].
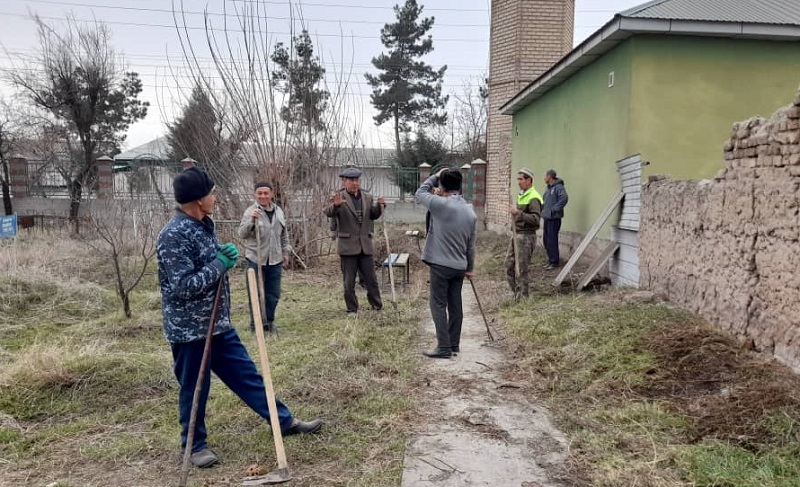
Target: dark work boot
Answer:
[[439, 352]]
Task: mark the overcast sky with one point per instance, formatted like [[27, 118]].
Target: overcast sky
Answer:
[[345, 32]]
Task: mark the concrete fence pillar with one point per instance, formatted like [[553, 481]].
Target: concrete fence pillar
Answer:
[[424, 172], [18, 176], [105, 177]]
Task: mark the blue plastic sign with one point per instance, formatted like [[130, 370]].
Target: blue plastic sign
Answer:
[[8, 226]]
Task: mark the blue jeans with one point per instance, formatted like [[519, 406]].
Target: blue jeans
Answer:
[[230, 362], [272, 291]]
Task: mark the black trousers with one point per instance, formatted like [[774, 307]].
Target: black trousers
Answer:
[[364, 266], [550, 240], [445, 302]]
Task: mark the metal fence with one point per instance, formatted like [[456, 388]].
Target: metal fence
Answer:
[[155, 181], [44, 180]]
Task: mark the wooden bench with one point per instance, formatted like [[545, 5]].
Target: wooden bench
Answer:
[[398, 261]]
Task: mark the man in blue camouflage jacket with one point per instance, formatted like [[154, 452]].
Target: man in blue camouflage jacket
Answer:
[[190, 264]]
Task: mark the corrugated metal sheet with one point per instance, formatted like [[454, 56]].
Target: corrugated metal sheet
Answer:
[[782, 12]]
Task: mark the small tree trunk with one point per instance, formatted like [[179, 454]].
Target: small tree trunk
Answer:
[[399, 149], [75, 194], [121, 291], [126, 305], [7, 205]]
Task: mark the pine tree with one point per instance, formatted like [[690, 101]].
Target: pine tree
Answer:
[[406, 90], [196, 133], [422, 148], [299, 74], [203, 133]]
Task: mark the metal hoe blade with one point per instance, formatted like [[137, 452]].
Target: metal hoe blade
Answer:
[[276, 477]]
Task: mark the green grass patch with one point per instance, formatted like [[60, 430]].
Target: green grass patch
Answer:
[[715, 463], [650, 396]]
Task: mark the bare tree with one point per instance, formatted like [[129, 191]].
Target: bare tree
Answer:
[[258, 95], [125, 231], [75, 78], [11, 135], [469, 120]]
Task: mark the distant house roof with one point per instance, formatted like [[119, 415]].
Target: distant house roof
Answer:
[[158, 147], [364, 157], [751, 19]]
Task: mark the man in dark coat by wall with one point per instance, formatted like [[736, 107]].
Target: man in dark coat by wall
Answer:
[[555, 199]]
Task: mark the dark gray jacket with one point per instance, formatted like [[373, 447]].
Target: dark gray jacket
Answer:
[[452, 232], [555, 199]]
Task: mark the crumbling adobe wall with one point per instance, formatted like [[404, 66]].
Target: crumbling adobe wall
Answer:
[[728, 249]]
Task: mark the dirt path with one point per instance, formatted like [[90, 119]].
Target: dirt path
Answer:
[[477, 429]]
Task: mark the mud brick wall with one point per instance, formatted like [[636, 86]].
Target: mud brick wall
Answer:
[[728, 249]]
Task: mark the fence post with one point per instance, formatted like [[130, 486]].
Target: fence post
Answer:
[[188, 162], [478, 168], [424, 172], [18, 176], [466, 190], [105, 178]]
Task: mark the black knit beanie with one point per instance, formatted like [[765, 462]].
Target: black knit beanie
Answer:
[[451, 180], [191, 185]]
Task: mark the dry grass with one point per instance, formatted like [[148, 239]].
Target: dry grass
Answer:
[[88, 398]]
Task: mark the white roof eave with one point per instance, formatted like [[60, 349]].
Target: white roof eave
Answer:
[[620, 29]]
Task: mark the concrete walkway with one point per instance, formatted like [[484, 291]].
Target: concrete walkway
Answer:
[[475, 428]]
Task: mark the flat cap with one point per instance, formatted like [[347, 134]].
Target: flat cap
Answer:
[[350, 173], [526, 172]]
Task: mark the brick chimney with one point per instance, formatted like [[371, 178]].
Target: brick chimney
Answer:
[[527, 38]]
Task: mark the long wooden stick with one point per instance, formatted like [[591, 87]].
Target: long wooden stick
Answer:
[[485, 321], [187, 451], [262, 298], [515, 246], [280, 453], [389, 258]]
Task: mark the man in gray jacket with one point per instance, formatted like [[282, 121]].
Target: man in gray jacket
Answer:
[[355, 211], [555, 199], [450, 254], [274, 252]]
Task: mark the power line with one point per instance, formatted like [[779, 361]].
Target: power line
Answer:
[[175, 65], [230, 15], [306, 4], [139, 24], [174, 76]]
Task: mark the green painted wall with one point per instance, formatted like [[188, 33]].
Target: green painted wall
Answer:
[[688, 91], [674, 100], [580, 128]]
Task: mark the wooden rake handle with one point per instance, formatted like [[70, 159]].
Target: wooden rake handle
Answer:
[[280, 453]]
